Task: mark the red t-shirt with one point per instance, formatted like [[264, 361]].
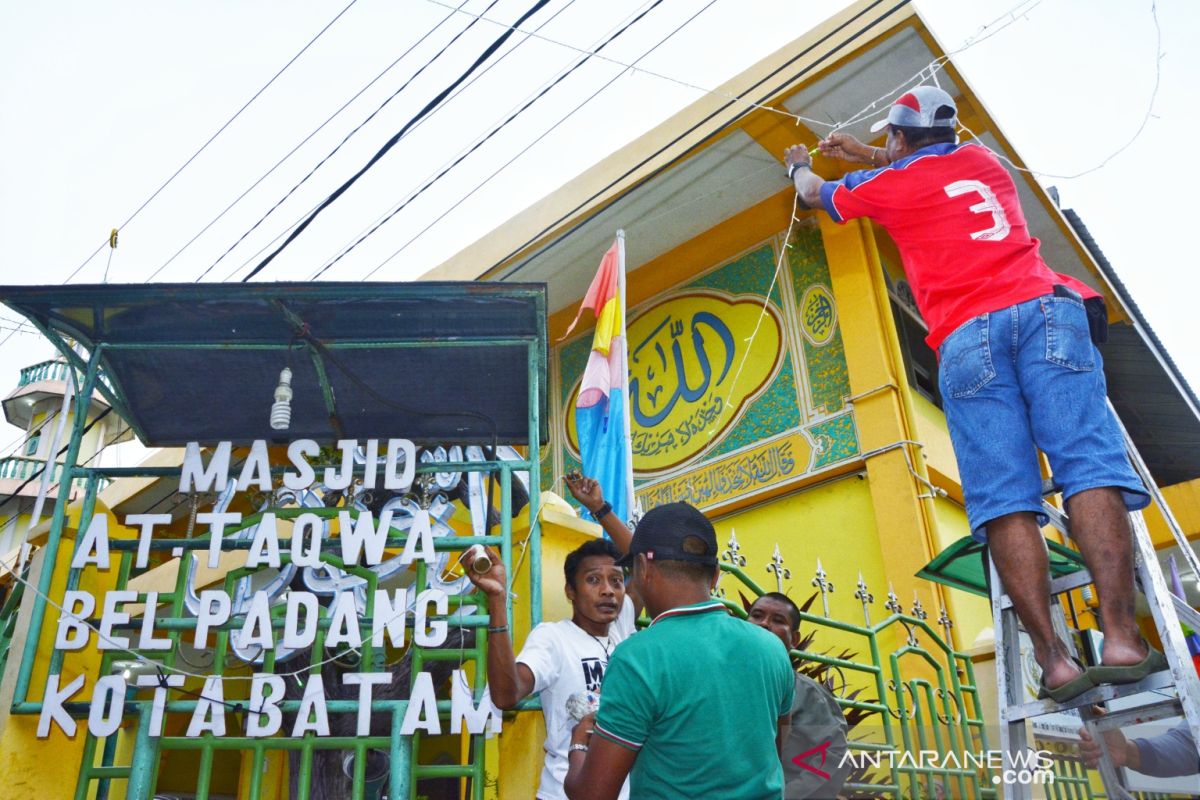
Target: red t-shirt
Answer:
[[954, 214]]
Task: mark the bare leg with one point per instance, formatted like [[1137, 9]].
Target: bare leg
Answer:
[[1100, 526], [1019, 553]]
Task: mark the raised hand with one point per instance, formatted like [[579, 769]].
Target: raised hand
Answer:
[[585, 490], [492, 582]]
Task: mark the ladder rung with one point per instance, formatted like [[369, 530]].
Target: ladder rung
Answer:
[[1060, 585], [1164, 709], [1101, 694], [101, 773]]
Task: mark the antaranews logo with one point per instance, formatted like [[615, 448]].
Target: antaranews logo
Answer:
[[804, 760], [1025, 768]]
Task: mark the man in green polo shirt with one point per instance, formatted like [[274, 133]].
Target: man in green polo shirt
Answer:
[[692, 706]]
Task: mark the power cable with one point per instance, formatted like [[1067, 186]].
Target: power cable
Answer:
[[456, 93], [21, 326], [462, 156], [204, 146], [371, 83], [544, 134], [651, 73], [292, 152], [12, 445], [756, 87], [487, 53]]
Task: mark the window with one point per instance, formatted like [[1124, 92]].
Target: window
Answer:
[[920, 363], [31, 446]]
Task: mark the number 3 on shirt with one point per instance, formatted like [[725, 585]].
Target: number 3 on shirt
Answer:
[[990, 204]]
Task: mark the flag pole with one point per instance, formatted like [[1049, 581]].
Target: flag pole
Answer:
[[628, 437]]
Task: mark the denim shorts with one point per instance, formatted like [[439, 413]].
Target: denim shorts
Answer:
[[1023, 378]]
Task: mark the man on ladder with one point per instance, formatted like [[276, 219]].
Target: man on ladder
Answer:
[[1018, 369]]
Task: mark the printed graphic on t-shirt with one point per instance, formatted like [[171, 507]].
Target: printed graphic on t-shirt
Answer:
[[593, 673]]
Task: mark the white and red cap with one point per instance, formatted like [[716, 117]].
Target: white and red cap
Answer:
[[919, 108]]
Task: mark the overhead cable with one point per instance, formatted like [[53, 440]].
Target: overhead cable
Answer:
[[484, 56], [345, 139], [424, 120], [543, 135], [484, 139], [220, 130], [292, 152]]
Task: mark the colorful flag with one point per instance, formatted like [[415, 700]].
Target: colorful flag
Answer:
[[602, 408], [1190, 636]]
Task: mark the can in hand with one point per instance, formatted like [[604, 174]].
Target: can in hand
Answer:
[[480, 565]]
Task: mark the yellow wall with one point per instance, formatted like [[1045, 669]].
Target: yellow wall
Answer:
[[833, 522], [29, 766]]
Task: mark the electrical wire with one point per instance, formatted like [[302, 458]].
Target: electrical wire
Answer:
[[622, 64], [483, 140], [12, 446], [292, 152], [425, 119], [486, 54], [204, 146], [37, 473], [524, 150], [340, 144]]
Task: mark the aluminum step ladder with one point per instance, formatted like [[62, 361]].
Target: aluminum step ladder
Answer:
[[1178, 687]]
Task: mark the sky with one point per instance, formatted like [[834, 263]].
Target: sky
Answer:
[[102, 102]]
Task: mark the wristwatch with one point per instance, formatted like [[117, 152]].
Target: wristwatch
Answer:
[[792, 169], [602, 511]]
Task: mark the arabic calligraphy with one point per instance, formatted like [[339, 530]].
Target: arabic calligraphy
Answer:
[[818, 315], [647, 443], [684, 354], [653, 375], [730, 477]]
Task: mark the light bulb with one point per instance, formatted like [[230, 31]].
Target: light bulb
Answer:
[[281, 409]]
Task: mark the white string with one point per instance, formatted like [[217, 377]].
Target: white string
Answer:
[[787, 244], [117, 648], [1136, 134]]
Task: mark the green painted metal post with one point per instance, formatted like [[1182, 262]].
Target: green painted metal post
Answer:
[[506, 539], [535, 488], [145, 758], [400, 784]]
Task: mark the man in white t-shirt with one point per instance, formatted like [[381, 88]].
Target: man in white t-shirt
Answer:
[[563, 661]]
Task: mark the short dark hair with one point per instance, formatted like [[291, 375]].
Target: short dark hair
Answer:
[[923, 137], [596, 547], [779, 597], [687, 571]]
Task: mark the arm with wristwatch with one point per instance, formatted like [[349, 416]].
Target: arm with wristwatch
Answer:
[[797, 161], [587, 492]]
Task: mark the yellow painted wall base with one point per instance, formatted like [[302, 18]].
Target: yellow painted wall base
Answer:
[[49, 767]]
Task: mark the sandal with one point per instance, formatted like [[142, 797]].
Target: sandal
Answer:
[[1071, 689], [1130, 673]]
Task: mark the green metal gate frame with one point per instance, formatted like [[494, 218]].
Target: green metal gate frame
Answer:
[[948, 715], [405, 769]]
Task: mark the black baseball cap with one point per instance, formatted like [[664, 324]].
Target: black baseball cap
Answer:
[[674, 532]]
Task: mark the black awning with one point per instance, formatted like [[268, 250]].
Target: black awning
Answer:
[[431, 362], [1155, 407]]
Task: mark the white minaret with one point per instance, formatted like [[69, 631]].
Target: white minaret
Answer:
[[36, 406]]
